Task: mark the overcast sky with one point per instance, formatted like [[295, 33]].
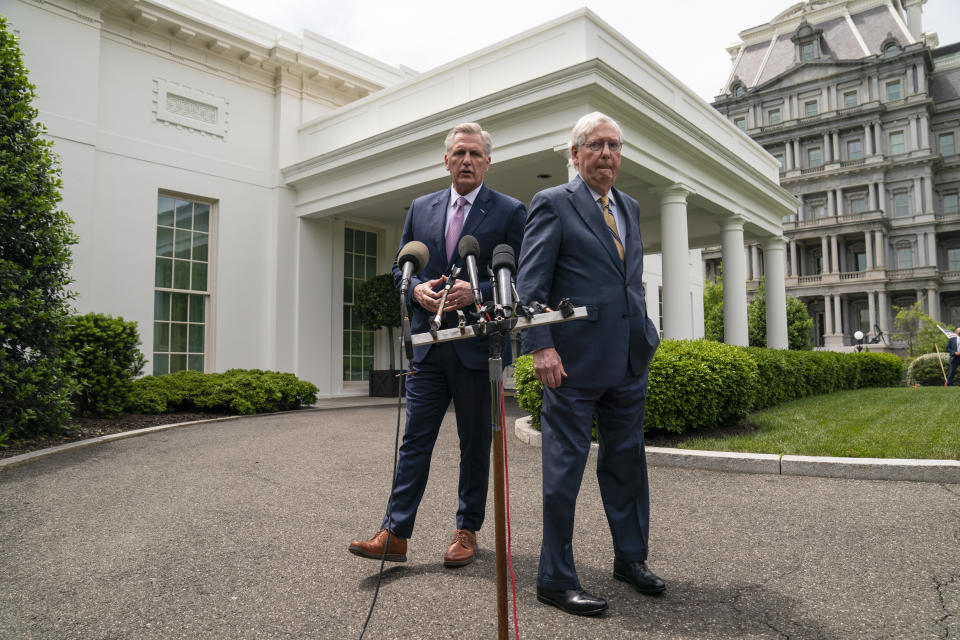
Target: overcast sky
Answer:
[[687, 37]]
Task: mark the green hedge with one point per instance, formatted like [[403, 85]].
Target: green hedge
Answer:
[[237, 391], [703, 384], [925, 370], [104, 358]]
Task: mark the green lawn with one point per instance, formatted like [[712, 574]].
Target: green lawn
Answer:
[[868, 423]]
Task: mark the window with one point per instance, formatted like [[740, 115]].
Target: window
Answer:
[[893, 90], [860, 260], [807, 51], [818, 210], [779, 157], [896, 143], [850, 99], [181, 285], [901, 204], [891, 50], [854, 149], [947, 146], [817, 262], [904, 258], [773, 116], [950, 203], [810, 108], [953, 259], [858, 204], [738, 90], [741, 123], [814, 157], [359, 264]]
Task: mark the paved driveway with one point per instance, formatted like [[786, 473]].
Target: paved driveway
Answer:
[[239, 530]]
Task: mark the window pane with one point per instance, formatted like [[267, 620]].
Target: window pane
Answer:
[[348, 240], [184, 214], [901, 205], [346, 343], [195, 338], [953, 259], [178, 363], [371, 267], [346, 368], [950, 203], [161, 336], [181, 274], [893, 90], [356, 368], [179, 307], [774, 116], [947, 147], [896, 142], [178, 337], [196, 362], [201, 217], [356, 342], [196, 308], [371, 244], [358, 270], [161, 305], [163, 276], [161, 364], [358, 241], [199, 276], [850, 99], [165, 242], [348, 291], [346, 318], [181, 247], [165, 211], [347, 265], [810, 108], [200, 246]]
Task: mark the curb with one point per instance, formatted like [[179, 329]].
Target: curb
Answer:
[[939, 471]]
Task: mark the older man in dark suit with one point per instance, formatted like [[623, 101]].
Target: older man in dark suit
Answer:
[[456, 370], [582, 242], [953, 348]]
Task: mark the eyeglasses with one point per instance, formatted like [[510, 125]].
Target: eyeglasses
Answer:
[[596, 146]]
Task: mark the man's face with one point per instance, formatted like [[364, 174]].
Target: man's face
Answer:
[[598, 169], [466, 162]]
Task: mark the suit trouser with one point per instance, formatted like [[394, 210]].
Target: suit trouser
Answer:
[[437, 379], [954, 362], [567, 420]]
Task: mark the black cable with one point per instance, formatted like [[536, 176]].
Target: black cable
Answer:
[[393, 485]]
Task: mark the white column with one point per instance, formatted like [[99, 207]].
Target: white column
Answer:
[[871, 309], [831, 207], [675, 246], [834, 254], [734, 283], [796, 153], [868, 248], [881, 246], [827, 155], [836, 146], [928, 194], [872, 196], [882, 196], [837, 315], [788, 155], [921, 78], [867, 140], [917, 198], [746, 261], [794, 264], [839, 199], [933, 303], [827, 315], [883, 311], [824, 255], [755, 261], [774, 262], [877, 132], [924, 132], [931, 249]]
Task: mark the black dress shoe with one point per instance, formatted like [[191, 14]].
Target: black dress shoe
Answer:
[[637, 574], [575, 601]]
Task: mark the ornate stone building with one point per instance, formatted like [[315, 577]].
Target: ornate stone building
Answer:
[[862, 110]]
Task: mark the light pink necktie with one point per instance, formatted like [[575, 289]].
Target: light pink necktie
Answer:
[[456, 226]]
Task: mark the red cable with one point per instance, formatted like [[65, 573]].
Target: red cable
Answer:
[[506, 492]]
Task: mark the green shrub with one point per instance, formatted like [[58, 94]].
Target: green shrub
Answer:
[[699, 384], [702, 384], [925, 370], [35, 240], [105, 358], [237, 391]]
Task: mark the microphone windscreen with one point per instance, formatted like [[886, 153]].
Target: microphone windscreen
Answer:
[[503, 258], [415, 252], [468, 246]]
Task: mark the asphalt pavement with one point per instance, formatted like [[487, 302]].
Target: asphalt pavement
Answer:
[[239, 529]]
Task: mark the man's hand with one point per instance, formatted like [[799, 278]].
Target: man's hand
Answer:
[[548, 367], [460, 295]]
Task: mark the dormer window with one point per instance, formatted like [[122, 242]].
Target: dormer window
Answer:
[[806, 42], [737, 88], [890, 47]]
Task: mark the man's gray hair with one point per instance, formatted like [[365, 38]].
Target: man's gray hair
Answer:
[[585, 127], [469, 127]]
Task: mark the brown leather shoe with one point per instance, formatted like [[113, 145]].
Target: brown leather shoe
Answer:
[[373, 548], [462, 550]]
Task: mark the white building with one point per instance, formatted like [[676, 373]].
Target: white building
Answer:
[[230, 182]]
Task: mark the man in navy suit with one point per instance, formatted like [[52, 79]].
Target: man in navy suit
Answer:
[[458, 369], [953, 348], [582, 242]]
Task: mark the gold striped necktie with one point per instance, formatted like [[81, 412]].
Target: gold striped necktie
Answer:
[[612, 225]]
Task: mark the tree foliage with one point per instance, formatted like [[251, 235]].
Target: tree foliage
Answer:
[[799, 323], [35, 240], [713, 309], [918, 330], [376, 304]]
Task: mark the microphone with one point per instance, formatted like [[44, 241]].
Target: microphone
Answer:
[[469, 248], [504, 265], [412, 259]]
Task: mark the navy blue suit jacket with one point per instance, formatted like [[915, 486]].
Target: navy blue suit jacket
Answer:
[[494, 218], [568, 252], [952, 347]]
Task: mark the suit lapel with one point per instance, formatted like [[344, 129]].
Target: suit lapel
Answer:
[[629, 217], [437, 219], [582, 201]]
